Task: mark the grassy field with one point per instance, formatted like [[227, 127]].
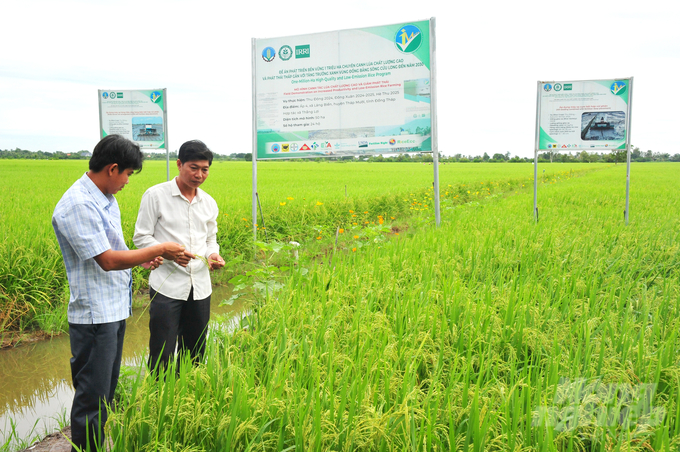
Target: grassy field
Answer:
[[301, 201], [489, 333]]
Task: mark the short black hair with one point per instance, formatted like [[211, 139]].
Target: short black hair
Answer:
[[116, 149], [195, 150]]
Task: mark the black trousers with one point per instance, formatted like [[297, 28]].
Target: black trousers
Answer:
[[95, 366], [172, 321]]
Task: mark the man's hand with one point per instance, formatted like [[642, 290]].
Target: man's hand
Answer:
[[173, 252], [153, 264], [184, 259], [215, 261]]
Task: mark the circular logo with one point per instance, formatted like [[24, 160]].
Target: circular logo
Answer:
[[105, 95], [408, 38], [276, 148], [268, 54], [155, 96], [618, 88], [112, 95], [558, 87], [547, 87], [285, 52], [294, 147], [393, 141]]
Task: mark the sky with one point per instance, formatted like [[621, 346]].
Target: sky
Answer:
[[56, 54]]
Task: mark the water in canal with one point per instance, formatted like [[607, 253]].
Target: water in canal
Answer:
[[35, 379]]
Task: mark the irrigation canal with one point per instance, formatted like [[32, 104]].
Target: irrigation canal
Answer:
[[35, 379]]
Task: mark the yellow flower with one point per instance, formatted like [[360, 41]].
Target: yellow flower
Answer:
[[354, 216], [356, 236], [282, 203], [340, 231], [354, 224], [396, 233], [351, 211], [354, 249], [318, 238], [392, 218], [381, 221], [366, 211], [289, 198], [319, 203]]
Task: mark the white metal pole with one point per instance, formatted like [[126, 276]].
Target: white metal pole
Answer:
[[628, 120], [254, 139], [433, 119], [536, 146], [167, 142]]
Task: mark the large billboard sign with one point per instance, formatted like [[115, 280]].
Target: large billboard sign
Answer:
[[352, 92], [138, 115], [591, 115]]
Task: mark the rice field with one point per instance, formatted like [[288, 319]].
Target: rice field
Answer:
[[491, 332], [300, 201]]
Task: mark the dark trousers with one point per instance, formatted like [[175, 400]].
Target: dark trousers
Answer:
[[174, 320], [95, 366]]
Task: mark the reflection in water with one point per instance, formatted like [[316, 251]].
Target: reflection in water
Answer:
[[35, 379]]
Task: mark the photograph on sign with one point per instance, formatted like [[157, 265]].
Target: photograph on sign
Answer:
[[586, 115], [138, 115], [344, 93]]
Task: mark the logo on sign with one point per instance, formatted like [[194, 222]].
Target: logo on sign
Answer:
[[268, 54], [393, 141], [285, 147], [112, 95], [547, 87], [105, 95], [558, 87], [155, 97], [305, 148], [285, 52], [294, 147], [302, 51], [276, 148], [618, 88], [408, 38]]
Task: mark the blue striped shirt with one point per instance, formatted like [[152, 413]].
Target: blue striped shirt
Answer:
[[87, 223]]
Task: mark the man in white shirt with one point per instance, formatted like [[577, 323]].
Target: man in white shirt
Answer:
[[179, 211]]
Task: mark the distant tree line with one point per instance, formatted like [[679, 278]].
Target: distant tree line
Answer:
[[614, 156]]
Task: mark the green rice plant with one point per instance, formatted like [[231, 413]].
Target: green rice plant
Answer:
[[489, 333]]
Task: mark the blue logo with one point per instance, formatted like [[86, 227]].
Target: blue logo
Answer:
[[155, 96], [268, 54], [105, 95], [276, 148], [408, 38], [618, 88], [547, 87]]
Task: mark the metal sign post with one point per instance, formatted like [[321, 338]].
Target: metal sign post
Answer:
[[630, 109], [583, 115], [433, 115]]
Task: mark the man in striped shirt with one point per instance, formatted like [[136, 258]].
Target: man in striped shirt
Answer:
[[88, 227]]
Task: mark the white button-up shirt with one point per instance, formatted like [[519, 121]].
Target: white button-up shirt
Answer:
[[165, 215]]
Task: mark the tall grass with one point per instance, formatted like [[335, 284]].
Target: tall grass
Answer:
[[301, 201], [489, 333]]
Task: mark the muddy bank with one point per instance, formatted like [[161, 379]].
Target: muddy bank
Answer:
[[56, 442]]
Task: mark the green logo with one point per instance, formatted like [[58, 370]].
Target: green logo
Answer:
[[558, 87], [567, 86], [408, 38], [302, 51], [285, 52], [119, 95]]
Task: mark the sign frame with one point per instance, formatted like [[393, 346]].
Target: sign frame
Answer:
[[431, 23], [106, 94], [627, 125]]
